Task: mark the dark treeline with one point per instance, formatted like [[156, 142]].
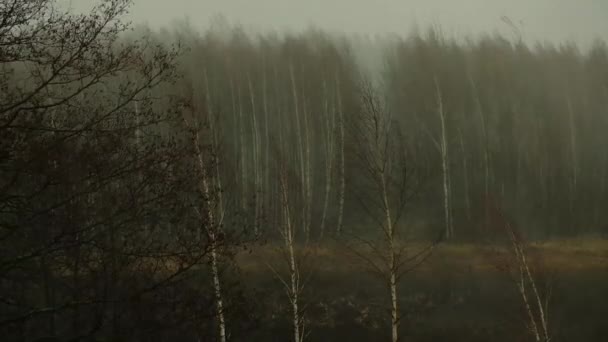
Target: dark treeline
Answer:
[[134, 166]]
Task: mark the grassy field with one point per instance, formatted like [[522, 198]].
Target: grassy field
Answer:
[[562, 256], [456, 295]]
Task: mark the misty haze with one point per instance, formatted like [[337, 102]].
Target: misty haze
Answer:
[[290, 170]]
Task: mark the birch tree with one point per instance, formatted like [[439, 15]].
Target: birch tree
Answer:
[[299, 141], [393, 183], [256, 156], [445, 164], [516, 259], [294, 278], [329, 149], [342, 174], [208, 210]]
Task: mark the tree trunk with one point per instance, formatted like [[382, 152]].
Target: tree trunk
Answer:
[[342, 160], [219, 303], [465, 171], [256, 159], [329, 155], [300, 145], [484, 134], [211, 230], [293, 289], [444, 165], [307, 176], [394, 309], [215, 146], [574, 162], [390, 233], [266, 185], [243, 152]]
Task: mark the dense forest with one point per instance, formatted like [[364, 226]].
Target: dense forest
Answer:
[[228, 185]]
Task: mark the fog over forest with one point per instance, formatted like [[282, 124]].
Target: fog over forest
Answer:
[[580, 21], [303, 170]]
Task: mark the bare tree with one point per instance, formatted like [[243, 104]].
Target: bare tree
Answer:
[[465, 174], [515, 257], [257, 174], [211, 209], [289, 218], [393, 183], [329, 132], [341, 124], [445, 164], [300, 144], [88, 184]]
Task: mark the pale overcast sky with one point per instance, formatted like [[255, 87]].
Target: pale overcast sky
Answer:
[[554, 20]]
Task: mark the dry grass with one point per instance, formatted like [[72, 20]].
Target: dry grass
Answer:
[[571, 255]]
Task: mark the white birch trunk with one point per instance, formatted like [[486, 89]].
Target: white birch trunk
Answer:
[[266, 185], [539, 302], [237, 138], [525, 275], [394, 309], [574, 161], [465, 171], [243, 152], [307, 176], [211, 231], [444, 164], [215, 146], [329, 157], [342, 160], [293, 287], [390, 233], [521, 286], [256, 159], [484, 133], [573, 148], [300, 147]]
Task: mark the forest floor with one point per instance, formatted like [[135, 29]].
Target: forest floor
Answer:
[[457, 294]]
